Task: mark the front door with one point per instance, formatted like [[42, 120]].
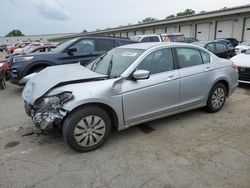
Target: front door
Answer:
[[153, 97], [86, 51]]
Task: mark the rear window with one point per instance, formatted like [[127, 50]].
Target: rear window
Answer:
[[105, 45], [205, 57]]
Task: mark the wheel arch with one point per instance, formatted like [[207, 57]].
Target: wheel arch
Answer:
[[111, 112], [36, 65]]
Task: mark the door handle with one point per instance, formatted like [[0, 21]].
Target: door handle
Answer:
[[171, 77], [208, 69]]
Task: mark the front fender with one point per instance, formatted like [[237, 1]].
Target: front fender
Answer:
[[115, 104]]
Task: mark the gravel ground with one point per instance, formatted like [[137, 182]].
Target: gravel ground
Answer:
[[192, 149]]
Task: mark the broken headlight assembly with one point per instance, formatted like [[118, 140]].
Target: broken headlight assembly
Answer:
[[48, 110]]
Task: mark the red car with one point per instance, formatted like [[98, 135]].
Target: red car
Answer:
[[11, 49], [4, 65], [3, 73], [44, 48]]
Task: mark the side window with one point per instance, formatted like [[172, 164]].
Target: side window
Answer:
[[221, 47], [154, 39], [158, 61], [85, 45], [205, 57], [42, 50], [211, 47], [146, 39], [105, 45], [189, 57]]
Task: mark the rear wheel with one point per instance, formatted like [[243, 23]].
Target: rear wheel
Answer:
[[217, 98], [87, 128]]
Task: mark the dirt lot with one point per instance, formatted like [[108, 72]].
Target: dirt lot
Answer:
[[193, 149]]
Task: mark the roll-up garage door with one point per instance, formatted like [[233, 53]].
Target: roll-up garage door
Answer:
[[202, 31], [139, 32], [148, 31], [124, 34], [170, 29], [159, 30], [186, 30], [131, 33], [247, 30], [224, 29]]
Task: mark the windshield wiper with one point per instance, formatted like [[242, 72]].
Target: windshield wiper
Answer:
[[110, 66], [97, 62]]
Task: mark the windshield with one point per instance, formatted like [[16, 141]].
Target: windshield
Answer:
[[64, 45], [115, 62]]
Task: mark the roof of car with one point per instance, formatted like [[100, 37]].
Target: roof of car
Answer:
[[112, 38], [145, 46]]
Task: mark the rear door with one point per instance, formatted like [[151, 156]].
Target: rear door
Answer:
[[195, 76], [221, 50]]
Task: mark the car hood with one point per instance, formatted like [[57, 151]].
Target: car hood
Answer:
[[242, 60], [54, 76]]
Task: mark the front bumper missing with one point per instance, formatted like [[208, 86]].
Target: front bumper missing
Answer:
[[45, 120]]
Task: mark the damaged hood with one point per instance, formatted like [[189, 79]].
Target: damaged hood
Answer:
[[54, 76]]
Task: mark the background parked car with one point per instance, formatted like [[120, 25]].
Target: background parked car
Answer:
[[2, 77], [243, 63], [10, 49], [233, 41], [5, 67], [166, 37], [219, 48], [243, 46], [44, 48], [230, 46], [26, 49], [76, 50]]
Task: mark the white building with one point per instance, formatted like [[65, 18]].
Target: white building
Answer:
[[224, 23]]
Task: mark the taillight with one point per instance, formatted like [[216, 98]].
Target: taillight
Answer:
[[234, 67]]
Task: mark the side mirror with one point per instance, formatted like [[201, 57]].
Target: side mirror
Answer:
[[141, 74], [71, 51], [243, 51]]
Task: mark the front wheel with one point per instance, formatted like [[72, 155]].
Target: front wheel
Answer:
[[217, 98], [87, 128]]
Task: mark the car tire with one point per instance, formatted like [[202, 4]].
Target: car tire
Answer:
[[87, 128], [216, 98], [2, 83]]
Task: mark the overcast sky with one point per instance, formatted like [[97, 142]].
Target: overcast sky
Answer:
[[67, 16]]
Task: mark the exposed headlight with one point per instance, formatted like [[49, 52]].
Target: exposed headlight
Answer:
[[22, 59], [53, 102]]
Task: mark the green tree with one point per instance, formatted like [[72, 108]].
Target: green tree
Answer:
[[170, 16], [187, 12], [84, 31], [15, 33], [146, 20]]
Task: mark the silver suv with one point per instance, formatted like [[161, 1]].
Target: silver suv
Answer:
[[127, 86]]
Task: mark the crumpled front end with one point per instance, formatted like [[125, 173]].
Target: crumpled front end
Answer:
[[48, 111]]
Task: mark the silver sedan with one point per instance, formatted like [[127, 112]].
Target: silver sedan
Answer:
[[127, 86]]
